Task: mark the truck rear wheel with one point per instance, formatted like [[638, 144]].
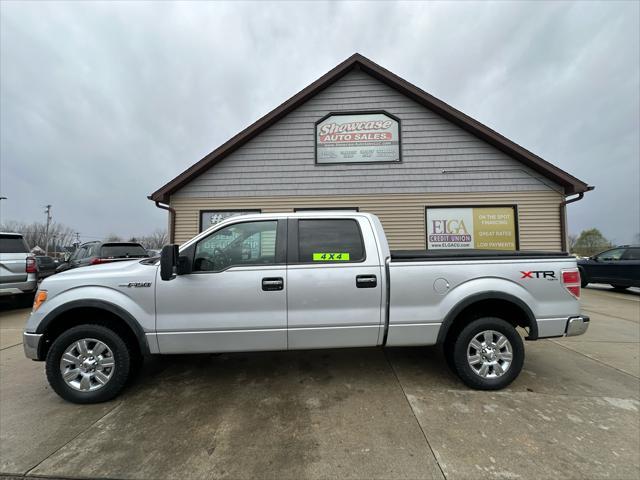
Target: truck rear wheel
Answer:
[[88, 364], [488, 354]]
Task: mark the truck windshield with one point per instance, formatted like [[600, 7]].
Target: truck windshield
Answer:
[[13, 244]]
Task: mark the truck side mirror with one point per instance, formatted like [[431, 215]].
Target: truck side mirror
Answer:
[[184, 265], [168, 261]]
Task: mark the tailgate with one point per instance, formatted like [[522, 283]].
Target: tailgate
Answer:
[[13, 267]]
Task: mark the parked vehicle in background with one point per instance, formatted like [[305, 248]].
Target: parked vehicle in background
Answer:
[[94, 253], [619, 267], [295, 281], [153, 252], [18, 267], [46, 266]]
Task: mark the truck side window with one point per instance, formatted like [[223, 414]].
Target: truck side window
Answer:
[[248, 243], [330, 241]]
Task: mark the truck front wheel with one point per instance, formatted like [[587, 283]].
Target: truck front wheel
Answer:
[[488, 354], [88, 364]]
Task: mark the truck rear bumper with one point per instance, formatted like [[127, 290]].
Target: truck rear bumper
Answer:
[[18, 288], [562, 327], [577, 325]]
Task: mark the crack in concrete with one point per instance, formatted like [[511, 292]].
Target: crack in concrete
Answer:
[[28, 472], [595, 359], [424, 434], [610, 315], [10, 346]]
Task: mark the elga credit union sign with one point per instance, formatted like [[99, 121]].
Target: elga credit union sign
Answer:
[[357, 138], [485, 228]]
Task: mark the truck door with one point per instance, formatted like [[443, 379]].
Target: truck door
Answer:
[[235, 297], [335, 287], [607, 266], [630, 262]]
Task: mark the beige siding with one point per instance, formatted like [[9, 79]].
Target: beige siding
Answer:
[[401, 214]]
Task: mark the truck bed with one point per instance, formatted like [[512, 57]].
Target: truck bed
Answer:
[[470, 254]]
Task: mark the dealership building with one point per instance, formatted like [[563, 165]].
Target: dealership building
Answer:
[[362, 138]]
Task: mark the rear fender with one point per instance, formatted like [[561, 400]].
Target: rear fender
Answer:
[[468, 293]]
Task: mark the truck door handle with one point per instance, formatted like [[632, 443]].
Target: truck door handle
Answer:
[[271, 284], [366, 281]]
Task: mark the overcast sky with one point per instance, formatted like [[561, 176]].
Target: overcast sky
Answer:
[[102, 103]]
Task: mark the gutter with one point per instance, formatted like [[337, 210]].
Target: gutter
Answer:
[[563, 215], [172, 218]]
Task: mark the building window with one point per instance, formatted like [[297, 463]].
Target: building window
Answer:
[[483, 227], [322, 209], [212, 217]]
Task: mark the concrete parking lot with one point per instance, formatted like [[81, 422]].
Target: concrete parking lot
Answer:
[[574, 412]]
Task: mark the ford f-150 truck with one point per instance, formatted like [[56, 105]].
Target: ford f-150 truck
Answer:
[[296, 281]]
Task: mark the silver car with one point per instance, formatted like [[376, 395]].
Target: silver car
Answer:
[[18, 269]]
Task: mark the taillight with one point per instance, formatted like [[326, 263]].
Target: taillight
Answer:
[[571, 281], [32, 267], [97, 261]]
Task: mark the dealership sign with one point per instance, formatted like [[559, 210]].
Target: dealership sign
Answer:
[[358, 138], [485, 228]]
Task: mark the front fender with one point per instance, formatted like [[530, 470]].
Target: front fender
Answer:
[[136, 309]]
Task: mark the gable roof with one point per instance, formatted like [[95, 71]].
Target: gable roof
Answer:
[[571, 184]]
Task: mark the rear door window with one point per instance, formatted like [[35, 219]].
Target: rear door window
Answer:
[[631, 254], [13, 244], [329, 241]]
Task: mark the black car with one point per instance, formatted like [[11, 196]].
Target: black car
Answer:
[[94, 253], [46, 266], [619, 267]]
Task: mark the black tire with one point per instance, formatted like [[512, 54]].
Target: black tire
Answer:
[[467, 374], [619, 288], [447, 351], [583, 278], [121, 368]]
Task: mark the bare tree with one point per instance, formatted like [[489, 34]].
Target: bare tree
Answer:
[[35, 234], [112, 237], [156, 240], [572, 238]]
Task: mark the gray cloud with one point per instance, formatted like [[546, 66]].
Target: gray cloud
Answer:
[[101, 103]]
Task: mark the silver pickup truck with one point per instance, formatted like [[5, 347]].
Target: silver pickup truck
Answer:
[[299, 281]]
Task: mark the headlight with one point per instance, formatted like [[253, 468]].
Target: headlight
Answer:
[[40, 299]]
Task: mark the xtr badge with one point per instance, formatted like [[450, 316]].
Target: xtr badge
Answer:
[[548, 274], [135, 284]]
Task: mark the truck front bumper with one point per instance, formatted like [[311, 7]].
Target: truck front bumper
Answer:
[[577, 325], [31, 344]]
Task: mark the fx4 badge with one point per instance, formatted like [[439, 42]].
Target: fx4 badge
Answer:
[[548, 274], [135, 284]]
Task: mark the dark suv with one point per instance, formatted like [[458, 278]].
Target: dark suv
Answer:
[[94, 253], [619, 267]]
